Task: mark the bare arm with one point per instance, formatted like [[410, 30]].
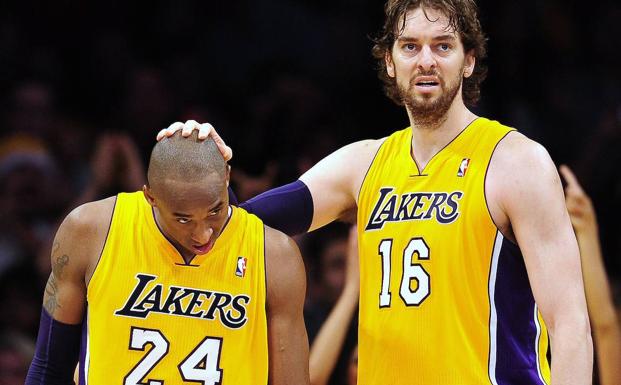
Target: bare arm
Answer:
[[530, 199], [604, 321], [76, 246], [286, 289], [329, 342], [335, 181]]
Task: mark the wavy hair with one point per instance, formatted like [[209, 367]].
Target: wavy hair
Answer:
[[463, 19]]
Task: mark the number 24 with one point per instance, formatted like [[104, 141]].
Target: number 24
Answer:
[[201, 365]]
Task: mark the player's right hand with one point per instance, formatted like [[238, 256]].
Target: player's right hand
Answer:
[[205, 130]]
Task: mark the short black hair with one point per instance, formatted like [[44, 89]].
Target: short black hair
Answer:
[[185, 160]]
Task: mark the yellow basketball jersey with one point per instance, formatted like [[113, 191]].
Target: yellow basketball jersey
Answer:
[[153, 319], [445, 298]]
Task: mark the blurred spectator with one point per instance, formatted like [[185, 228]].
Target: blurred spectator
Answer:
[[32, 195], [328, 345], [20, 291], [116, 167], [602, 313], [32, 110], [15, 356]]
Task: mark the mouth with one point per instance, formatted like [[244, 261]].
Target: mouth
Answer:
[[426, 83], [204, 248]]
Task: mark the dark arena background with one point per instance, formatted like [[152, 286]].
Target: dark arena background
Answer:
[[85, 86]]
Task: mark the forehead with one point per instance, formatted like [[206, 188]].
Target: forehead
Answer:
[[425, 23], [191, 197]]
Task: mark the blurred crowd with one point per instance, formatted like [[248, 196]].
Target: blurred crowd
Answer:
[[84, 88]]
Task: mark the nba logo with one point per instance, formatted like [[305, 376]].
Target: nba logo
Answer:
[[463, 167], [240, 271]]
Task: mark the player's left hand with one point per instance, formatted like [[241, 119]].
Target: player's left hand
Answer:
[[205, 130], [578, 203]]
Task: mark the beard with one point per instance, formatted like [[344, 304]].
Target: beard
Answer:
[[428, 111]]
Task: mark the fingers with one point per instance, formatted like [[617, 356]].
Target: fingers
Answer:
[[226, 151], [570, 178], [205, 130], [190, 126], [170, 131]]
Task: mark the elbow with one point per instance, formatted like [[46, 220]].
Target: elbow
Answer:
[[577, 326]]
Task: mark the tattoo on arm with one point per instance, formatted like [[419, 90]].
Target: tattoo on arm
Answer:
[[51, 288]]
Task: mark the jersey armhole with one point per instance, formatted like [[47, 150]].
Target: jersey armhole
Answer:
[[379, 148], [105, 242], [489, 162]]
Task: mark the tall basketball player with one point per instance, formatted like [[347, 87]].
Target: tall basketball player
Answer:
[[172, 285], [468, 262]]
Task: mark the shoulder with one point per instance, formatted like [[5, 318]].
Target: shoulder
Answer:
[[84, 230], [89, 218], [516, 147], [520, 171], [346, 165], [519, 161], [286, 277], [364, 148]]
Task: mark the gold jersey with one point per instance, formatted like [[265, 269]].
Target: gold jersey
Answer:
[[154, 319], [445, 298]]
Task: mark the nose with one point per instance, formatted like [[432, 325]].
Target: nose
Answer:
[[202, 234], [426, 60]]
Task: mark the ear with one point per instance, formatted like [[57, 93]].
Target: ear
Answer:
[[469, 63], [148, 195], [390, 65], [228, 174]]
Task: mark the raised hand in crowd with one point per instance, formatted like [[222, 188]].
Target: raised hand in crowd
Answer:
[[328, 344], [116, 166], [602, 313]]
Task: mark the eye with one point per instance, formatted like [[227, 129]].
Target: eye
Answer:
[[409, 47], [444, 47], [183, 221], [215, 212]]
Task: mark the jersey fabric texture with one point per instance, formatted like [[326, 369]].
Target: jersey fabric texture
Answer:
[[153, 318], [445, 298]]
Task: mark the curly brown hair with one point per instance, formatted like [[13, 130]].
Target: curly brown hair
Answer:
[[463, 19]]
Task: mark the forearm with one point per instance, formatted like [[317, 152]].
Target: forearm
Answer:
[[327, 346], [56, 353], [288, 208], [608, 349], [597, 288], [572, 354]]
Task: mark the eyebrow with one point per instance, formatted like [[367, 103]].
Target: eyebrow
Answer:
[[446, 37], [218, 205]]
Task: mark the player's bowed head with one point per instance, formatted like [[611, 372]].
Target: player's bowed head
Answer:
[[187, 188]]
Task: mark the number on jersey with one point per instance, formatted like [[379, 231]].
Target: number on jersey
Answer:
[[201, 366], [411, 271]]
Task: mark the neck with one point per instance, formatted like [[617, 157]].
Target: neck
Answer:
[[429, 139]]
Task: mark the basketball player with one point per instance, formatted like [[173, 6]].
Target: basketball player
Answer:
[[468, 262], [172, 285]]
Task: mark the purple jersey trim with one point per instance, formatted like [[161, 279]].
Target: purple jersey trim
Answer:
[[515, 343], [83, 348]]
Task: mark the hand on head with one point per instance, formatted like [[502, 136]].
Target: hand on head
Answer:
[[204, 130]]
